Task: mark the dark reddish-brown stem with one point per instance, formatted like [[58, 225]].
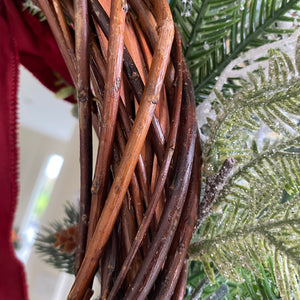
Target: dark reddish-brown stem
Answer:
[[108, 264], [89, 293], [128, 234], [162, 176], [68, 8], [110, 109], [85, 124], [156, 133], [181, 284], [81, 81], [140, 171], [142, 41], [167, 280], [128, 218]]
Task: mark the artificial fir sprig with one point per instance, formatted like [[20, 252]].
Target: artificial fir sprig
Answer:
[[271, 100], [231, 243], [216, 32], [257, 213], [55, 243]]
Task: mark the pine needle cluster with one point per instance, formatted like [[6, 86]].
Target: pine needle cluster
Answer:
[[55, 247]]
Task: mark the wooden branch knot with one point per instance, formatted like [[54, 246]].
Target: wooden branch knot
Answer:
[[82, 95], [124, 6]]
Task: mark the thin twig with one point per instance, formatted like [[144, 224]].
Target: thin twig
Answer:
[[85, 124], [181, 284], [214, 184], [148, 24], [146, 20], [199, 289], [108, 264], [168, 278]]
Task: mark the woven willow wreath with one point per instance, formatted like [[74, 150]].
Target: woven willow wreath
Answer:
[[139, 208]]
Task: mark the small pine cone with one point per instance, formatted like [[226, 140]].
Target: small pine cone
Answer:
[[66, 239]]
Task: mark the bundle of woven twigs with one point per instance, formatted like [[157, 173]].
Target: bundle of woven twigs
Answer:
[[138, 209]]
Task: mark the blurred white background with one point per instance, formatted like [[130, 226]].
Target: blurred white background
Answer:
[[46, 128]]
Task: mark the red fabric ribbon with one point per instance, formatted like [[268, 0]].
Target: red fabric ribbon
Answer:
[[26, 40]]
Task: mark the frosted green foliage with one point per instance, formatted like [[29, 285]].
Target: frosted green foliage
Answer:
[[298, 55], [273, 100], [255, 224], [218, 31], [257, 217], [199, 287], [243, 238], [187, 7]]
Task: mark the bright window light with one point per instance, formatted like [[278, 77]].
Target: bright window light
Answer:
[[30, 234], [54, 165]]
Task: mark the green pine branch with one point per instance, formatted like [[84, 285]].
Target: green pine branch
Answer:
[[218, 31], [44, 244]]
